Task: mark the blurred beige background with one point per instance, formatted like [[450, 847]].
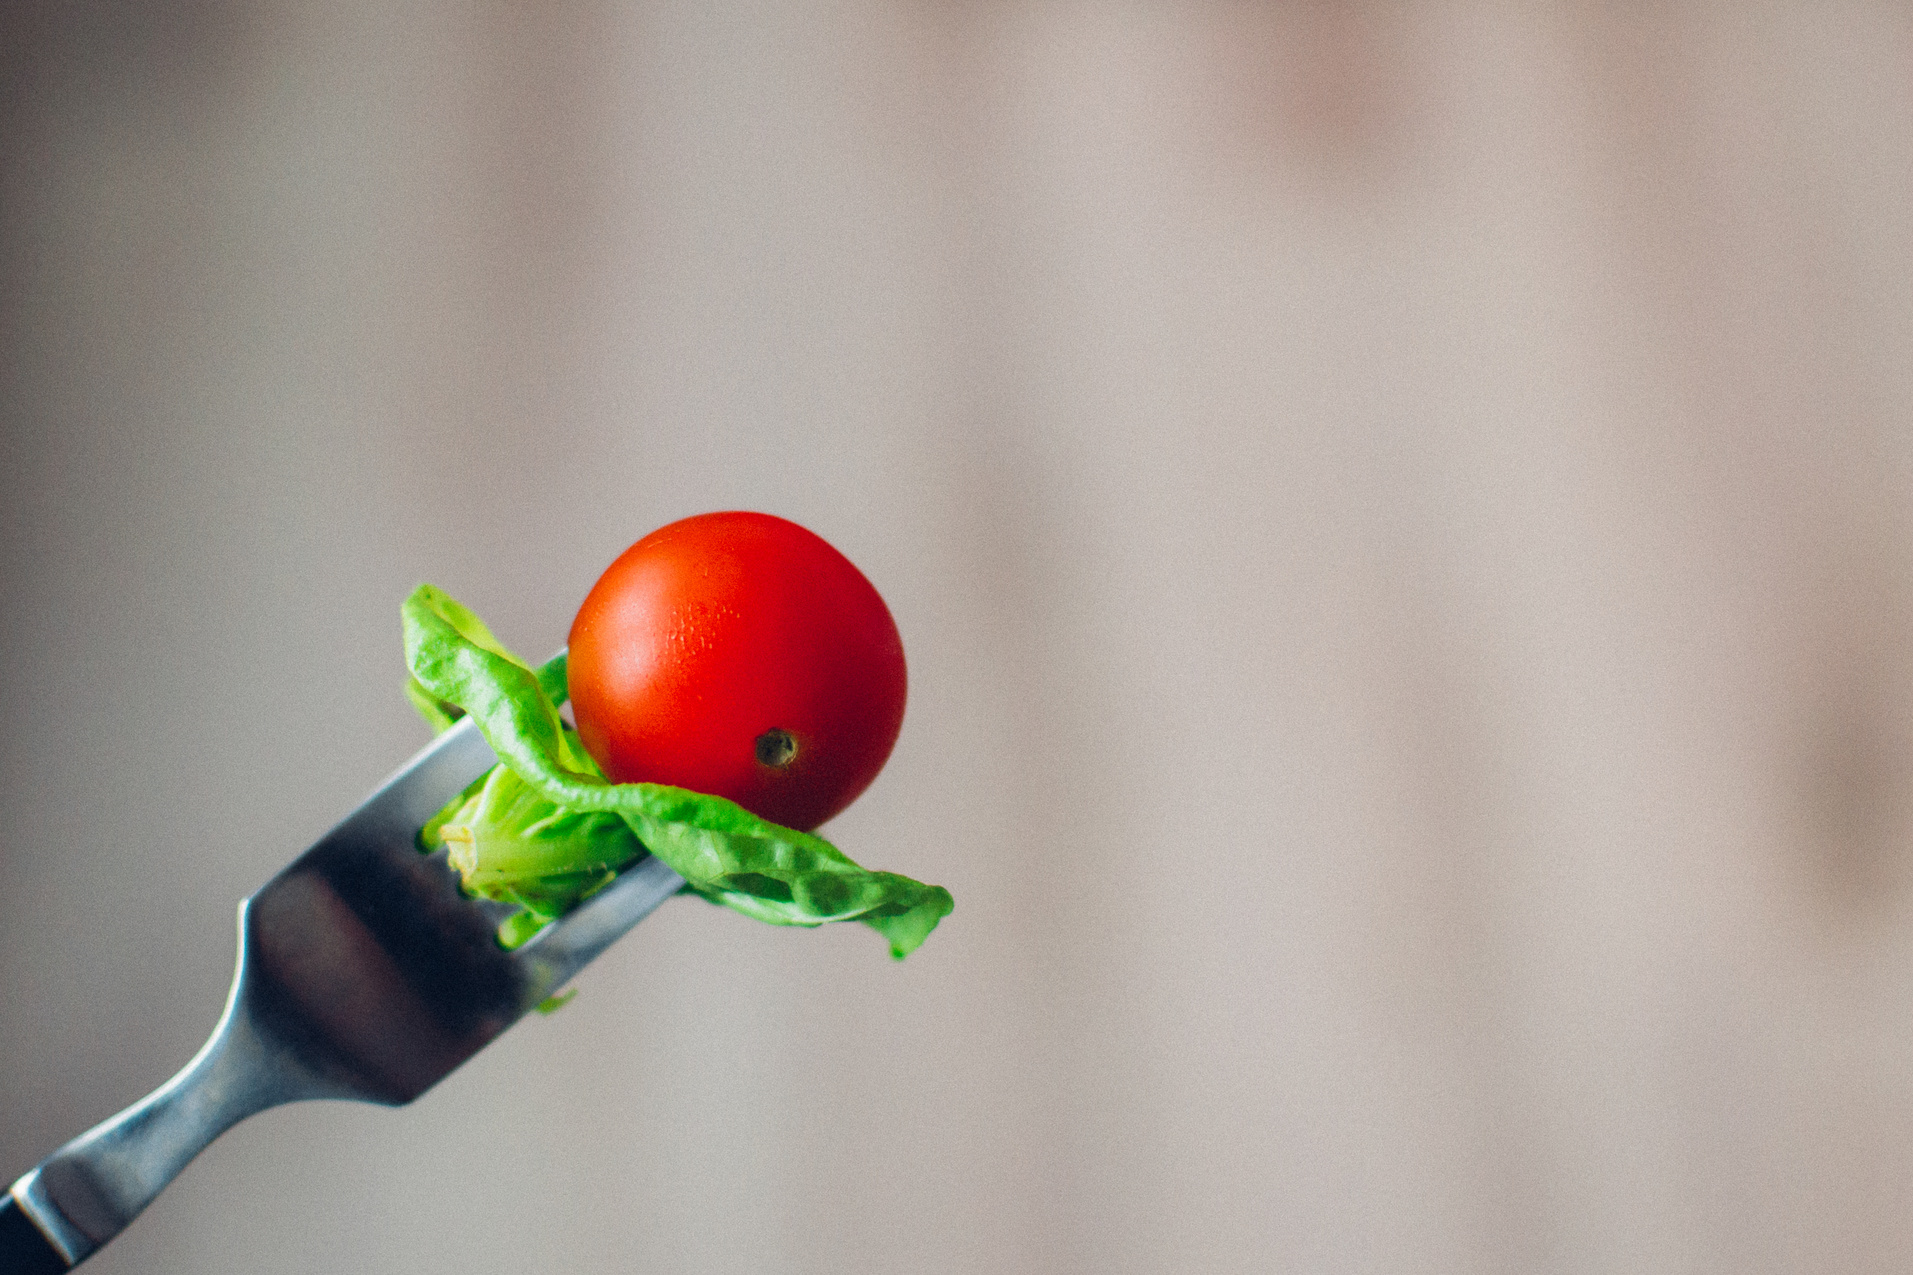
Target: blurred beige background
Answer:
[[1400, 516]]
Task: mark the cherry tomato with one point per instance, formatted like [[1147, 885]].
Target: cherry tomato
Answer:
[[741, 655]]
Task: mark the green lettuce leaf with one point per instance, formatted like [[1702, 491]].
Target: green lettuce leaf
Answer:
[[546, 828]]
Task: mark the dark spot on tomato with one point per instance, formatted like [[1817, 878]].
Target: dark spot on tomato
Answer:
[[776, 747]]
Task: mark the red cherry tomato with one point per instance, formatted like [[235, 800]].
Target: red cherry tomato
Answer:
[[741, 655]]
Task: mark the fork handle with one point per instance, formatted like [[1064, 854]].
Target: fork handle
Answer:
[[87, 1192], [24, 1248]]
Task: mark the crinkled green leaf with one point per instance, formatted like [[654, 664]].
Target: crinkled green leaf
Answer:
[[438, 714], [510, 843], [725, 853], [442, 715]]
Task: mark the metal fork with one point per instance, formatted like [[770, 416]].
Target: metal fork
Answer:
[[364, 972]]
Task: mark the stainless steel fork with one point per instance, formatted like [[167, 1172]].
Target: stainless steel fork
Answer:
[[364, 972]]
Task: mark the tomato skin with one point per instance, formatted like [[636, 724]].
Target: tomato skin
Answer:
[[713, 631]]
